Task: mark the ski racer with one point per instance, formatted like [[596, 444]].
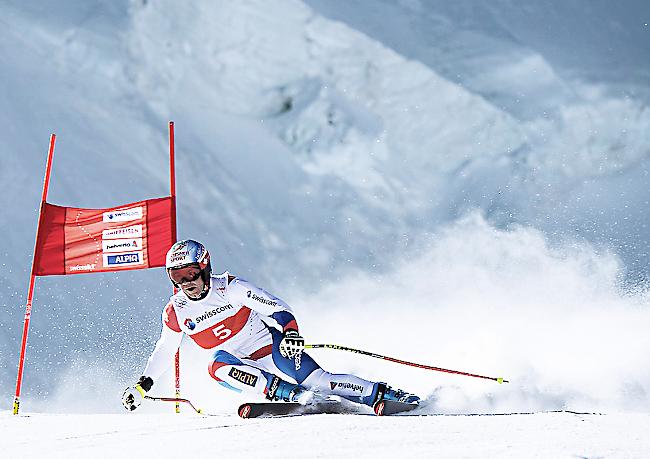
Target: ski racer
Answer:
[[252, 339]]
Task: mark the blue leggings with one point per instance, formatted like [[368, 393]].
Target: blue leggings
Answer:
[[252, 376]]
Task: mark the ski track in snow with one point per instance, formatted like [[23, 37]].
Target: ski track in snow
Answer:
[[540, 435]]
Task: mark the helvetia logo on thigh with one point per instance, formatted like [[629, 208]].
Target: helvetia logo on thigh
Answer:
[[123, 259]]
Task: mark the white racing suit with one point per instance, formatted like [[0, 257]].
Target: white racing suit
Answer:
[[246, 355]]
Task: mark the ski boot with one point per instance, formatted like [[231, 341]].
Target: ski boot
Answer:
[[278, 389], [390, 401], [399, 395]]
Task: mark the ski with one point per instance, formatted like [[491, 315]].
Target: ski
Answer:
[[273, 409], [256, 410], [388, 407], [279, 409]]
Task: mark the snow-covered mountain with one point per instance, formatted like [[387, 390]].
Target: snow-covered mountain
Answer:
[[468, 179]]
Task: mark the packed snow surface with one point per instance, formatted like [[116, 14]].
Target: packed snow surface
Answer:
[[542, 435]]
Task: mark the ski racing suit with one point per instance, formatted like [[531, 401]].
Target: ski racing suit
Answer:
[[240, 323]]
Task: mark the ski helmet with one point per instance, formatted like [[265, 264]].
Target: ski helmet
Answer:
[[186, 253]]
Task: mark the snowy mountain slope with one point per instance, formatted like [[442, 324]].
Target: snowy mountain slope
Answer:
[[533, 60], [310, 152], [525, 57]]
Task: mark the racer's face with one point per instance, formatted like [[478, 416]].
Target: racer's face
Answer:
[[190, 280]]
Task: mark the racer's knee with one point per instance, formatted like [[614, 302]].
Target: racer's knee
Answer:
[[232, 373], [316, 380]]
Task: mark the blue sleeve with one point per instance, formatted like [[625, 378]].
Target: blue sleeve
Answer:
[[286, 320]]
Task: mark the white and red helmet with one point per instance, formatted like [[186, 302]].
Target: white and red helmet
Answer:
[[186, 253]]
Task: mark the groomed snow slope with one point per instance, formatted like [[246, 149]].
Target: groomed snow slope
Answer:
[[543, 435]]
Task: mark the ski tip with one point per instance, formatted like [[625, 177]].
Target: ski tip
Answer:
[[244, 411], [390, 407]]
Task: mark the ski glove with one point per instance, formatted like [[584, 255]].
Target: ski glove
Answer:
[[292, 344], [133, 396]]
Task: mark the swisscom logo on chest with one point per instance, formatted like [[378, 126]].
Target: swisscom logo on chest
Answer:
[[192, 323]]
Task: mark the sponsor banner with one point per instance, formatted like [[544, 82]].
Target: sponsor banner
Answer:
[[86, 250], [123, 215], [121, 245], [133, 236], [123, 259], [123, 233]]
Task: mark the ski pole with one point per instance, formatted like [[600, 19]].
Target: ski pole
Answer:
[[174, 400], [403, 362]]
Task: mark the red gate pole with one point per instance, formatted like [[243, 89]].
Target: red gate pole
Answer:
[[172, 184], [30, 294]]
